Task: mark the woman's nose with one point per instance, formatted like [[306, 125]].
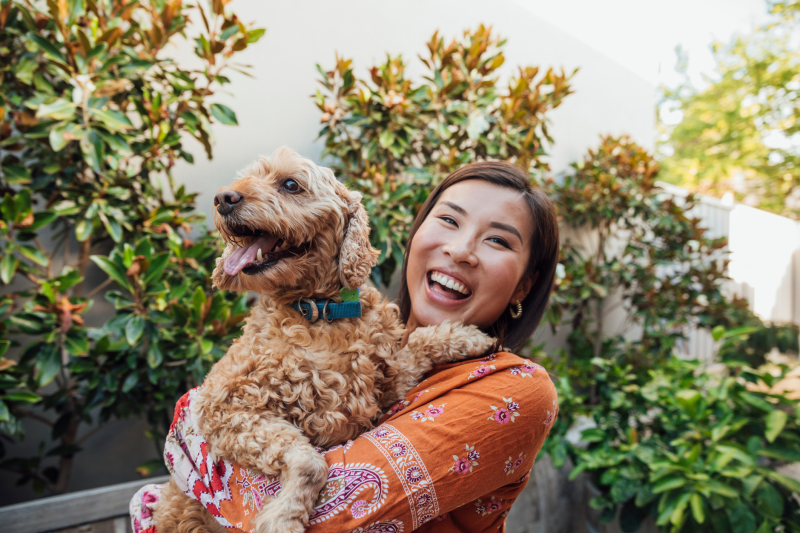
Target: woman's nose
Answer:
[[461, 250]]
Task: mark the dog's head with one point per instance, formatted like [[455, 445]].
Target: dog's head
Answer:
[[292, 230]]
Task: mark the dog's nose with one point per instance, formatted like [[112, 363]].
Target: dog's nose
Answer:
[[225, 201]]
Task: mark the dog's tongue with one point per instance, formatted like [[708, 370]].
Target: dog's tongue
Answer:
[[241, 257]]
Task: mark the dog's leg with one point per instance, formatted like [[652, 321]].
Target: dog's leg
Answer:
[[178, 513], [271, 446], [433, 345], [449, 342], [303, 476]]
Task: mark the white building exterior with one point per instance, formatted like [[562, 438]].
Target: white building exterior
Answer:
[[275, 108]]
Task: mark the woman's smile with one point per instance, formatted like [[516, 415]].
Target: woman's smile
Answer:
[[447, 288]]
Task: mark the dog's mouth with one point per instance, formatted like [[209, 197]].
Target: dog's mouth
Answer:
[[257, 250]]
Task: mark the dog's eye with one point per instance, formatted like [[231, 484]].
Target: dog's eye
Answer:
[[291, 185]]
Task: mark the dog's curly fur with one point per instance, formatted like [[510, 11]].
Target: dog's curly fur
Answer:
[[288, 385]]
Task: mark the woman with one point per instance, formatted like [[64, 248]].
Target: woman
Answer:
[[456, 452]]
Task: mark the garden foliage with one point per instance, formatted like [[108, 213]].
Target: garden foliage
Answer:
[[393, 138], [93, 116], [694, 445]]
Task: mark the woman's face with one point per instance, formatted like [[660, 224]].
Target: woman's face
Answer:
[[468, 258]]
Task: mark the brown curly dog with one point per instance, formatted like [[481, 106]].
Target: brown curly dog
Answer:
[[290, 384]]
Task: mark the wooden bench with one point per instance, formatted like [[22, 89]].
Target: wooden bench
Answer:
[[101, 510]]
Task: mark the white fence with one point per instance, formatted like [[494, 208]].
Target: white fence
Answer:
[[764, 262]]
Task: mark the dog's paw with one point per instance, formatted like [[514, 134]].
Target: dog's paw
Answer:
[[449, 342], [469, 341]]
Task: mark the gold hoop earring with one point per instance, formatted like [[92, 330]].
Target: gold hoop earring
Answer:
[[519, 310]]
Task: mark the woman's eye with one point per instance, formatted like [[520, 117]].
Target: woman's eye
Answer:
[[448, 220], [291, 185], [500, 241]]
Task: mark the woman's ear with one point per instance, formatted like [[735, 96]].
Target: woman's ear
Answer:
[[356, 256], [524, 287]]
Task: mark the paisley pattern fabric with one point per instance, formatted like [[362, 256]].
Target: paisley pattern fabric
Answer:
[[399, 477]]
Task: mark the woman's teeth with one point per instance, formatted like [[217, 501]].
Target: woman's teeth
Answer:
[[450, 283]]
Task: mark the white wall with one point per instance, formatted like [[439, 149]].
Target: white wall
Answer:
[[276, 107], [765, 258]]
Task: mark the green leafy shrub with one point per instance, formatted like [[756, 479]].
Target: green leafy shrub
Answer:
[[695, 449], [94, 117], [393, 139]]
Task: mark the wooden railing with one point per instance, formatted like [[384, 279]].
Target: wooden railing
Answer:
[[102, 510]]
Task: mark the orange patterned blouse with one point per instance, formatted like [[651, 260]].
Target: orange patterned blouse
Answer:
[[453, 456]]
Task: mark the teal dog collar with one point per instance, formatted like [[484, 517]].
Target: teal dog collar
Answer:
[[327, 309]]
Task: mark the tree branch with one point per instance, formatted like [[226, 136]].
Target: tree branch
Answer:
[[32, 415]]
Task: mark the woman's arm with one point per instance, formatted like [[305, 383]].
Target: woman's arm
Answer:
[[458, 455]]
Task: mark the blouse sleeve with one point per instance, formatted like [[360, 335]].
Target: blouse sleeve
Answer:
[[456, 458]]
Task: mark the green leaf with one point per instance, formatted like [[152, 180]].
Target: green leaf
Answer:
[[8, 267], [16, 175], [255, 34], [58, 109], [742, 520], [115, 141], [42, 219], [718, 332], [698, 509], [77, 346], [688, 398], [34, 254], [134, 329], [386, 138], [114, 120], [770, 501], [668, 483], [593, 435], [112, 227], [9, 209], [154, 356], [48, 364], [83, 229], [47, 47], [224, 114], [156, 268], [5, 415], [756, 401], [113, 271], [788, 482], [198, 300], [776, 420], [130, 382], [4, 345], [22, 396]]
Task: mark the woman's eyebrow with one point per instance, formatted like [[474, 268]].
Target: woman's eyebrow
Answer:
[[506, 227], [455, 207]]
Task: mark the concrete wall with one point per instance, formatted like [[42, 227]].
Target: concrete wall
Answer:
[[276, 109]]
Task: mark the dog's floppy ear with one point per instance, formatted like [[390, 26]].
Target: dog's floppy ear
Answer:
[[356, 256]]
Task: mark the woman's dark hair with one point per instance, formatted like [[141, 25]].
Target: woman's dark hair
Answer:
[[510, 333]]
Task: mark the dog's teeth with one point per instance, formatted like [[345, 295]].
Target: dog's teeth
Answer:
[[259, 256]]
